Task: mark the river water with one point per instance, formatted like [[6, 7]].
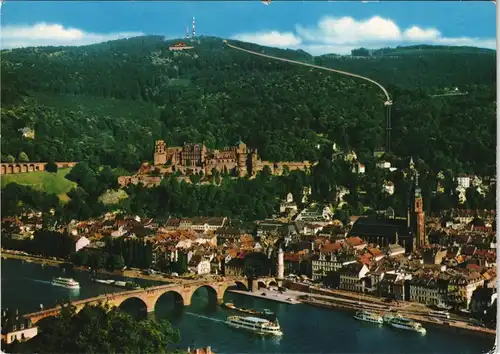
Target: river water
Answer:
[[306, 329]]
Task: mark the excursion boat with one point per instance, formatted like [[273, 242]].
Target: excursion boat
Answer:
[[407, 324], [68, 283], [388, 317], [368, 316], [266, 313], [255, 324], [104, 281]]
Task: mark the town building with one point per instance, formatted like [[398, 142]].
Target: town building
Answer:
[[351, 275], [425, 290], [316, 214], [288, 205], [325, 262], [392, 286], [180, 46], [16, 328], [462, 286], [81, 242]]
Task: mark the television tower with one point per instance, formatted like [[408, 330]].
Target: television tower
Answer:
[[187, 33], [194, 31]]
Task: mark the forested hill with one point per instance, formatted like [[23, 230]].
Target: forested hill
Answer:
[[107, 103]]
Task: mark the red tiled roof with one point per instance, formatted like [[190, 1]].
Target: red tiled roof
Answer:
[[173, 222], [355, 241], [473, 266], [331, 247], [291, 257], [366, 258], [375, 251], [481, 253]]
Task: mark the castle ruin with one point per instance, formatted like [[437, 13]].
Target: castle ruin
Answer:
[[198, 158], [191, 158]]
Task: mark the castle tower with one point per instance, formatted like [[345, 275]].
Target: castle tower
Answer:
[[160, 155], [242, 156], [416, 215], [254, 157], [280, 271]]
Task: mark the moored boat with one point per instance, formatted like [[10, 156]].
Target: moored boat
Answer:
[[103, 281], [387, 318], [255, 324], [266, 313], [407, 324], [368, 316], [68, 283]]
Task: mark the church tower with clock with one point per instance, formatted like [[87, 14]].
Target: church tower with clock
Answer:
[[416, 214]]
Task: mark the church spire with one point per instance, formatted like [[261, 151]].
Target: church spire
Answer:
[[411, 164]]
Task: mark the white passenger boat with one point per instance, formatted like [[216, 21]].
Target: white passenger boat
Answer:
[[368, 316], [255, 324], [68, 283], [407, 324], [103, 281]]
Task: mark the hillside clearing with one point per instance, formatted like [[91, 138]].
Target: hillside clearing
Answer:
[[53, 183]]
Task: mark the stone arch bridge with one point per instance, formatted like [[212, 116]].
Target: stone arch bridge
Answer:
[[150, 296]]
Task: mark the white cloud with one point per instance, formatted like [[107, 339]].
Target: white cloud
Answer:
[[347, 30], [342, 34], [419, 34], [43, 34], [271, 39]]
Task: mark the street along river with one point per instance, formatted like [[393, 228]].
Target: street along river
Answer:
[[306, 329]]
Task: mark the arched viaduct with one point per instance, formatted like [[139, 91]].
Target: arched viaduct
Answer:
[[24, 167], [149, 297]]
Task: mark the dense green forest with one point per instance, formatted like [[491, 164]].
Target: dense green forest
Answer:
[[107, 103], [99, 329]]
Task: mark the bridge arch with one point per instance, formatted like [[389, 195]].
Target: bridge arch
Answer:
[[214, 294], [261, 284], [240, 285], [176, 298], [134, 305], [272, 282]]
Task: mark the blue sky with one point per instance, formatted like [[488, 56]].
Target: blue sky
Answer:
[[317, 27]]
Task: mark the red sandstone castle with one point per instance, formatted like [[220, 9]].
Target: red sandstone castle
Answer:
[[197, 158], [238, 159]]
